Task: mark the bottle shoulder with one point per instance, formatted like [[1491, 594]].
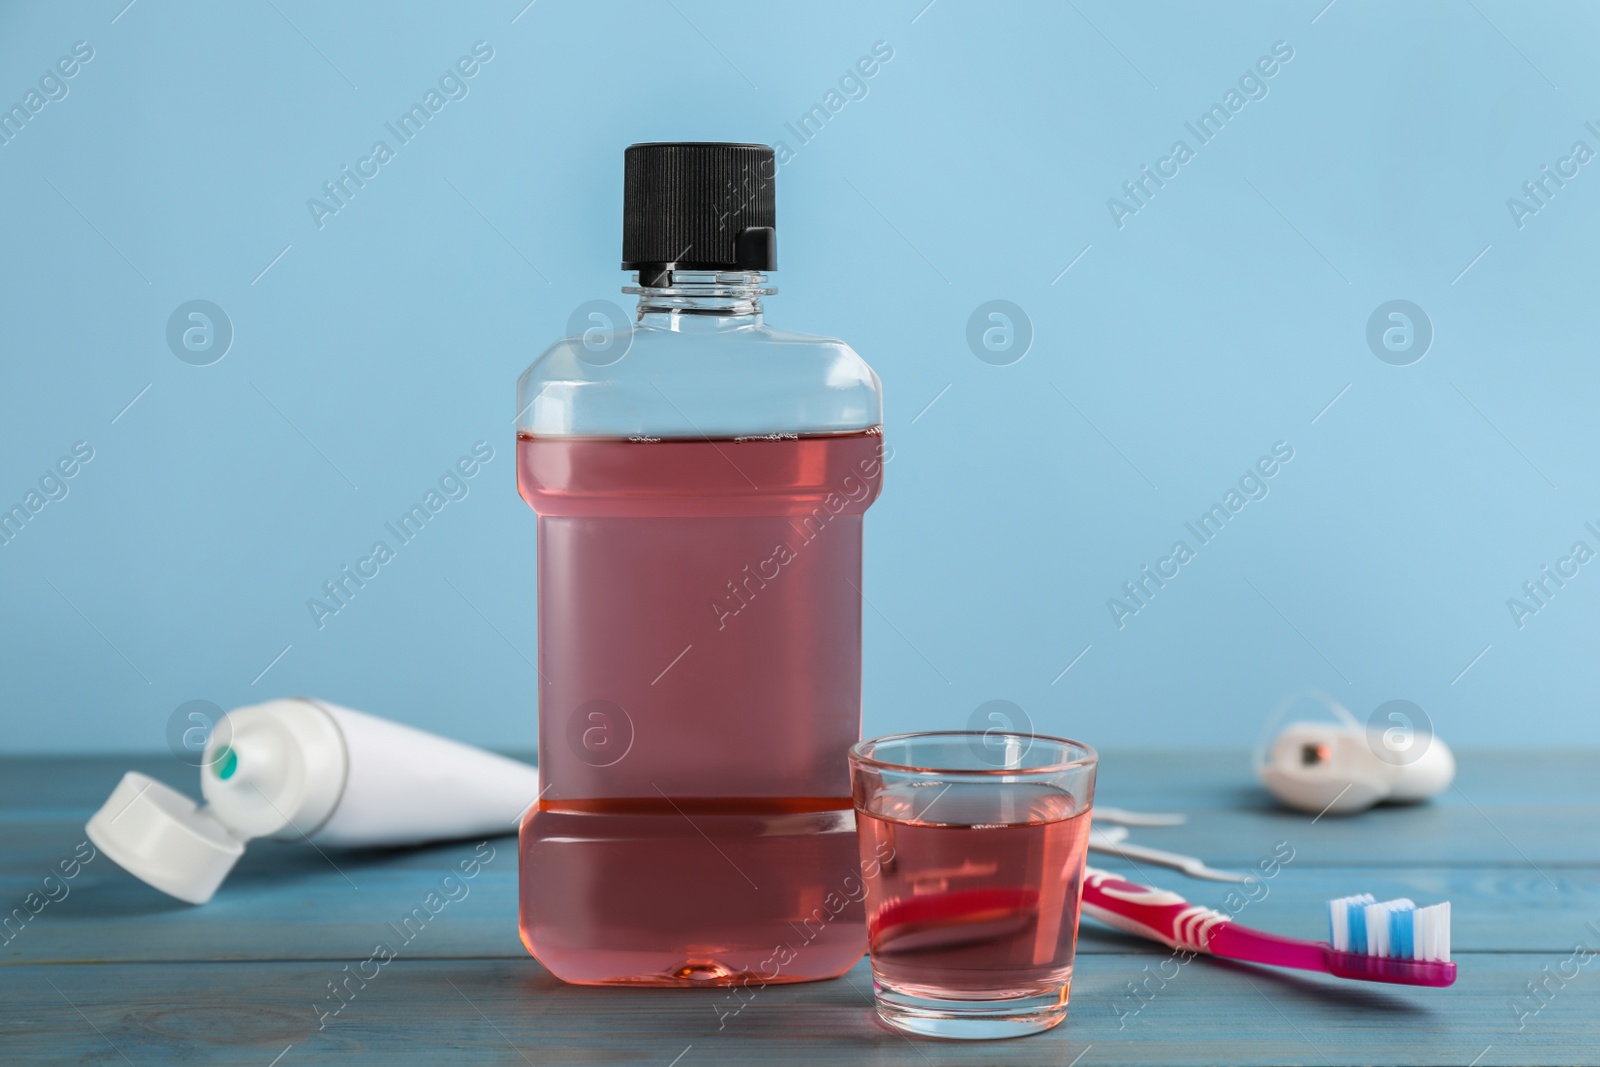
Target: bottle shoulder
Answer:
[[698, 382]]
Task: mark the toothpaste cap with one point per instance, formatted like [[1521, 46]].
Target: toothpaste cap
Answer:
[[159, 835], [278, 768]]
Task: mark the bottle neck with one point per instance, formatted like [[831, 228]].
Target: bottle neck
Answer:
[[700, 299]]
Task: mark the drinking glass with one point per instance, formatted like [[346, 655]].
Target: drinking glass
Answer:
[[972, 853]]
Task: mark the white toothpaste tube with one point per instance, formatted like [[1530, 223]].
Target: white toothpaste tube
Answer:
[[307, 769]]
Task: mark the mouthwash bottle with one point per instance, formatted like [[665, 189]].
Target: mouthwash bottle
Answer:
[[700, 480]]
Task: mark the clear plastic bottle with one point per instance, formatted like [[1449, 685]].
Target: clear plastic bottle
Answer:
[[700, 480]]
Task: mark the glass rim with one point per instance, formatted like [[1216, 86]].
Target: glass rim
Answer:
[[861, 756]]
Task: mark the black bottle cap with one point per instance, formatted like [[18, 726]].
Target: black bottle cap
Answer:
[[698, 206]]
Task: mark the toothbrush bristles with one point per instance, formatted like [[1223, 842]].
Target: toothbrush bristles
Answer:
[[1432, 926], [1392, 929], [1347, 922]]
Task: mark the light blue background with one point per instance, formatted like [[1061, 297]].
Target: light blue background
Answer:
[[1222, 318]]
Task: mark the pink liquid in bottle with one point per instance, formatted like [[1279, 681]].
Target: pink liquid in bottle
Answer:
[[700, 662], [978, 893]]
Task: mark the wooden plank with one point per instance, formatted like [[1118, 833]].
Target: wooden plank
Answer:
[[33, 847], [82, 783], [1484, 822], [307, 909], [1196, 779], [1524, 838], [461, 1011], [107, 916], [1181, 780], [1443, 834]]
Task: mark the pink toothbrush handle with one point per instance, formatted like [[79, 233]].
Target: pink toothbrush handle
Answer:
[[1164, 916]]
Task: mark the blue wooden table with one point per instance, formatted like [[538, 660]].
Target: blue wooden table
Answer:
[[98, 968]]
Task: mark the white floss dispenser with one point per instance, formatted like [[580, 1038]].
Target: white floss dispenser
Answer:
[[1342, 766]]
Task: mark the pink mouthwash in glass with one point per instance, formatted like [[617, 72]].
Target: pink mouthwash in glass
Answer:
[[977, 898], [974, 878]]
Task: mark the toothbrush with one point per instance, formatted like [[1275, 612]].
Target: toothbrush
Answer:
[[1392, 941]]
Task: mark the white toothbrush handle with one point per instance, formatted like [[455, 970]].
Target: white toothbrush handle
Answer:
[[1190, 865]]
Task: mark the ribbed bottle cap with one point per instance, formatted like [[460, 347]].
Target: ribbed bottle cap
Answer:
[[698, 206]]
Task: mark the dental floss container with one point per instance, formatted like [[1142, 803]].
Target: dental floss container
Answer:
[[1343, 767]]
